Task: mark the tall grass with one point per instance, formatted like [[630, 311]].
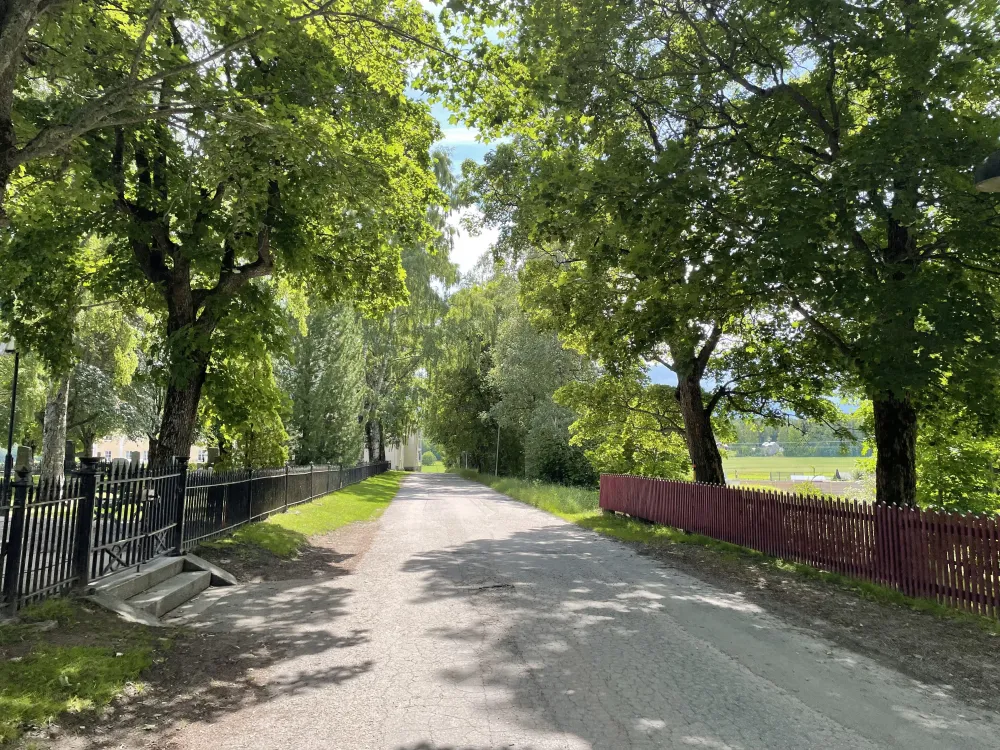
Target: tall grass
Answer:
[[570, 503]]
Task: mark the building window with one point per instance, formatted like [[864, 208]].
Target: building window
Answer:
[[107, 455], [145, 456], [202, 455]]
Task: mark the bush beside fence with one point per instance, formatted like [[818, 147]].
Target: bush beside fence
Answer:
[[950, 558], [107, 518]]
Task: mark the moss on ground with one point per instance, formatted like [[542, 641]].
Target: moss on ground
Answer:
[[60, 656]]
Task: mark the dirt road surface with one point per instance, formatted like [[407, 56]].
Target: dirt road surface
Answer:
[[475, 622]]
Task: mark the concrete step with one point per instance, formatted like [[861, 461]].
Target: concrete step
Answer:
[[129, 583], [172, 592]]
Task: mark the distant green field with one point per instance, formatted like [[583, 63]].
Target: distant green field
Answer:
[[757, 466], [435, 468]]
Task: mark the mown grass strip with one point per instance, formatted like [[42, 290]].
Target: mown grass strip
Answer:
[[45, 672], [284, 534], [580, 506]]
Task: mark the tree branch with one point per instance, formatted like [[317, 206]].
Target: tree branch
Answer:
[[701, 359], [825, 331]]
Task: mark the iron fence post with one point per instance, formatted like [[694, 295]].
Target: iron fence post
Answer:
[[250, 493], [286, 487], [89, 468], [312, 482], [181, 464], [15, 543]]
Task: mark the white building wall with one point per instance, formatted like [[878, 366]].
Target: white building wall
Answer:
[[406, 455]]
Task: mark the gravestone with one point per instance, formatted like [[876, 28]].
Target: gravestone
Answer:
[[69, 459], [23, 458], [135, 457], [212, 455]]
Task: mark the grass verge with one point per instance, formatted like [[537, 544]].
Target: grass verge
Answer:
[[284, 534], [580, 506], [60, 656]]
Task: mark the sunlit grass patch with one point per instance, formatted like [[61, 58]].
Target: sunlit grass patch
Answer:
[[284, 534]]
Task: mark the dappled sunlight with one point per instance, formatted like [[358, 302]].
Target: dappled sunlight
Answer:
[[708, 743], [576, 634], [726, 601], [927, 721]]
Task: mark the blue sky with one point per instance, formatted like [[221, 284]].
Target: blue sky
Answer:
[[460, 141]]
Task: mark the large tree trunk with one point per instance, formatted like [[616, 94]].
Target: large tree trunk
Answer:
[[896, 450], [372, 438], [188, 368], [54, 431], [698, 432], [180, 416], [381, 442]]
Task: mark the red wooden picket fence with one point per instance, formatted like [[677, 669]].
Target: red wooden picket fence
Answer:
[[951, 558]]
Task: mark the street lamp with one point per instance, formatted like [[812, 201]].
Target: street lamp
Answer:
[[987, 174], [10, 347]]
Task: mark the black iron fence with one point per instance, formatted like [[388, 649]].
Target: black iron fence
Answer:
[[106, 518], [219, 501]]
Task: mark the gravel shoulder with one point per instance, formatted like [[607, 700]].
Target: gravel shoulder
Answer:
[[959, 656], [327, 555]]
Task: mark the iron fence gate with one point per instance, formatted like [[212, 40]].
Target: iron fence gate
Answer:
[[54, 536]]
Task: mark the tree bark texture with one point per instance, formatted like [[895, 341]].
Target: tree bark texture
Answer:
[[896, 450], [702, 448], [372, 438], [54, 430], [180, 416]]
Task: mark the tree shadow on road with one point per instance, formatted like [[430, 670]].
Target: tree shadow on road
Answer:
[[581, 642], [218, 667]]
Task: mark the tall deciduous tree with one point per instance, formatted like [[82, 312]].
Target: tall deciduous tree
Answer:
[[853, 131], [397, 347], [325, 379], [634, 257], [311, 163], [67, 69]]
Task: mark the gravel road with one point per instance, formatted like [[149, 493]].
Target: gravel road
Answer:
[[477, 622]]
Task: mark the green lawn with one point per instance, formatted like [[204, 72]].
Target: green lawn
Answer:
[[437, 467], [80, 664], [284, 534], [760, 467]]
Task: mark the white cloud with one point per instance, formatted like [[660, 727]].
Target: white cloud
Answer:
[[454, 136], [470, 248]]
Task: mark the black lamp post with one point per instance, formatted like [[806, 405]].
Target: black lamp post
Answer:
[[987, 174], [10, 347]]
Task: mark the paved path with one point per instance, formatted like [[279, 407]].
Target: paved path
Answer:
[[478, 622]]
